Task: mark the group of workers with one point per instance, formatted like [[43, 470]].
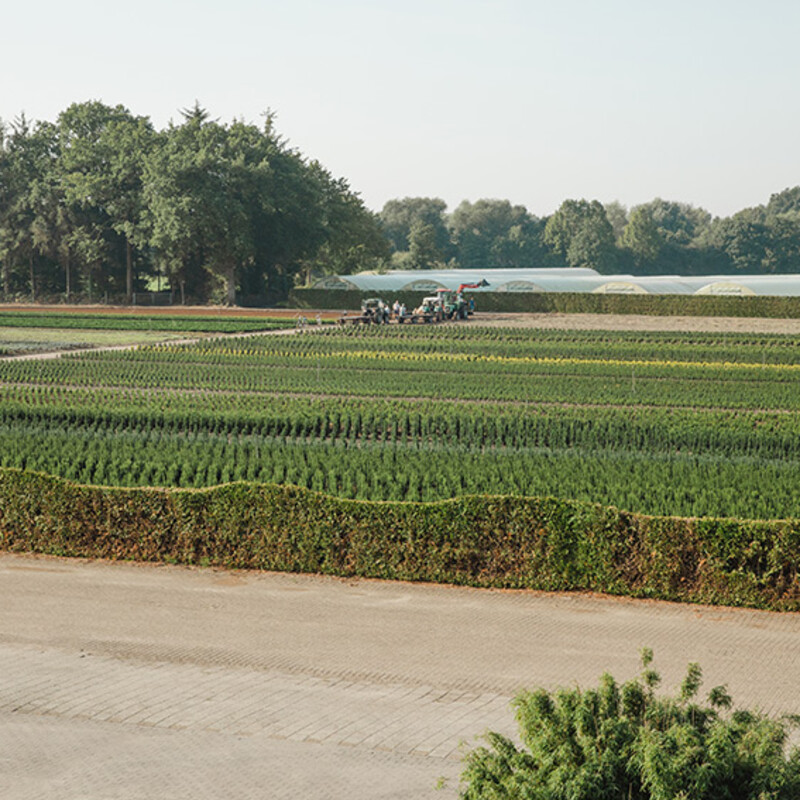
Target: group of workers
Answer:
[[384, 312], [378, 311], [399, 310]]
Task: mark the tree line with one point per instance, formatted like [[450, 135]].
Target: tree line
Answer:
[[101, 205], [659, 237]]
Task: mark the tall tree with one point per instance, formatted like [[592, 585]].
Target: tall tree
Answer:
[[103, 150], [617, 215], [291, 214], [641, 237], [423, 252], [354, 238], [234, 202], [786, 202], [754, 241], [493, 233], [581, 233], [56, 221], [677, 223], [27, 158], [197, 202], [399, 216]]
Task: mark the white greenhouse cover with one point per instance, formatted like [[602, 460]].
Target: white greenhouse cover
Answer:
[[562, 279]]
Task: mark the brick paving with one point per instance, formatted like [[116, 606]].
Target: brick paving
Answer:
[[133, 681]]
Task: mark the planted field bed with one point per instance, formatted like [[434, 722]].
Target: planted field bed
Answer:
[[126, 322], [690, 425], [31, 331]]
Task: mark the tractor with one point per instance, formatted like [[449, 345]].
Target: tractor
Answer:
[[452, 303], [374, 310]]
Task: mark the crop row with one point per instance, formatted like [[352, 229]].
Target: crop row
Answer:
[[535, 345], [455, 426], [243, 353], [117, 322], [695, 345], [574, 383], [649, 483], [713, 347], [397, 415]]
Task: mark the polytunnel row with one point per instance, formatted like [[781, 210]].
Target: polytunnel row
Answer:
[[580, 280]]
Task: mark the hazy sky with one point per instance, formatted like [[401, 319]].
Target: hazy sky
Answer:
[[531, 101]]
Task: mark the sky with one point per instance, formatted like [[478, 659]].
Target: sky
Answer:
[[530, 101]]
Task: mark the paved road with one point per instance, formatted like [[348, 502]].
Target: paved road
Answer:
[[127, 681]]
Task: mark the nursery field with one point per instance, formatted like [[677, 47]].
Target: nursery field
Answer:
[[32, 331], [667, 423], [119, 322]]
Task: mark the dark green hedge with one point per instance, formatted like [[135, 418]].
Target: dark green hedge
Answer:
[[574, 303], [535, 543]]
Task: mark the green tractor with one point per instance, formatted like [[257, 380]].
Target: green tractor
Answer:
[[452, 304]]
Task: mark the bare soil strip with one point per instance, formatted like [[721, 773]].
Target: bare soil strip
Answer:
[[638, 322]]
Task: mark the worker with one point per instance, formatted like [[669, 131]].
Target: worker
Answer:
[[396, 308], [471, 305]]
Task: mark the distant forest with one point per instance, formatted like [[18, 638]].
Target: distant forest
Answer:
[[656, 238], [99, 205]]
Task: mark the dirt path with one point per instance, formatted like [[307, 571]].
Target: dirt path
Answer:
[[187, 683], [638, 322]]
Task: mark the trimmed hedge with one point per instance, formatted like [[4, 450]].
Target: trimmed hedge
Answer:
[[576, 303], [533, 543]]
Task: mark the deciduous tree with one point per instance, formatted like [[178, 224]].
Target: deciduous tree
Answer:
[[581, 233], [641, 236], [399, 216]]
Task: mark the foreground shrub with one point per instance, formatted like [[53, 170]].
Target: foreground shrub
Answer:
[[625, 743]]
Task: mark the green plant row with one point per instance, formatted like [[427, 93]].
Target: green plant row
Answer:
[[486, 342], [458, 427], [577, 303], [645, 482], [534, 543], [121, 322], [592, 383]]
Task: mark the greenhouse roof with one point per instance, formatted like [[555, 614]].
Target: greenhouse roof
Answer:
[[562, 280]]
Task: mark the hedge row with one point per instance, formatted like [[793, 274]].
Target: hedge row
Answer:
[[576, 303], [534, 543]]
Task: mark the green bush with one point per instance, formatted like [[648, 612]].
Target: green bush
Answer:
[[516, 542], [625, 743]]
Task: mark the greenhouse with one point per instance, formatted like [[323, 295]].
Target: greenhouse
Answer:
[[564, 279]]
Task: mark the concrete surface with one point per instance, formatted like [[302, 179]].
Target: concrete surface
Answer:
[[136, 681]]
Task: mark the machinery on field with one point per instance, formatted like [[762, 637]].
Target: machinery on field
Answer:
[[449, 304], [446, 304], [480, 285], [373, 312]]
